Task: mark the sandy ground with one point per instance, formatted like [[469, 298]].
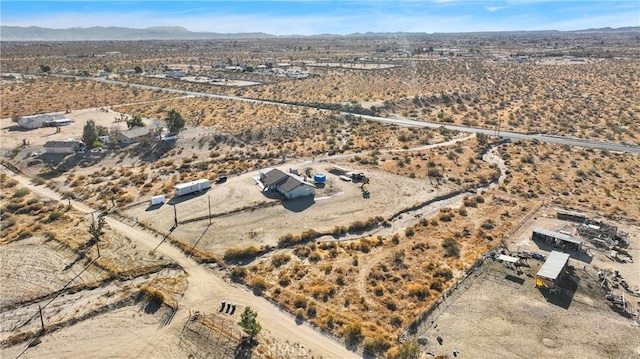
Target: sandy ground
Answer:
[[32, 268], [501, 314], [339, 203], [204, 293]]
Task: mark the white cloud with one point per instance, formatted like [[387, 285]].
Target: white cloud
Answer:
[[494, 8]]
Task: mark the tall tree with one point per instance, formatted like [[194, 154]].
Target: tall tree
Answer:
[[90, 133], [175, 121], [248, 322], [135, 121]]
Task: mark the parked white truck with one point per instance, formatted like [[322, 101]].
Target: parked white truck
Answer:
[[191, 187]]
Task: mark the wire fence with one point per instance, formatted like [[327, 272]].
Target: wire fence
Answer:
[[426, 319]]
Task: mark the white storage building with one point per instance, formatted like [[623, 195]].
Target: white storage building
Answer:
[[191, 187]]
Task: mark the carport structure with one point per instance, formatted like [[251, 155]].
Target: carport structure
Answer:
[[552, 270], [565, 241]]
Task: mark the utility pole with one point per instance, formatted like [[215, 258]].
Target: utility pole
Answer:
[[41, 319], [175, 216], [209, 209]]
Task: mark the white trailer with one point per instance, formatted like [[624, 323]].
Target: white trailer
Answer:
[[191, 187], [155, 200]]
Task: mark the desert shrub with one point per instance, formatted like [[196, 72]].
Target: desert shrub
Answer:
[[445, 217], [378, 290], [444, 273], [418, 290], [357, 226], [315, 256], [312, 310], [352, 333], [300, 314], [280, 259], [54, 215], [153, 295], [326, 268], [377, 345], [241, 253], [290, 239], [398, 257], [284, 280], [396, 321], [528, 159], [479, 199], [462, 211], [409, 232], [437, 285], [390, 304], [368, 347], [364, 245], [285, 240], [451, 248], [21, 192], [338, 231], [300, 301], [6, 182], [238, 273], [302, 251], [258, 285], [488, 224], [309, 235]]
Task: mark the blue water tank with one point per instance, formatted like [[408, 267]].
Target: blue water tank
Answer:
[[320, 178]]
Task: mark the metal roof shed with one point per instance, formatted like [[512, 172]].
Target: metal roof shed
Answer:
[[551, 269], [508, 259], [558, 237]]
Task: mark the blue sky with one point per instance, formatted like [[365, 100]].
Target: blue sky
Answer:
[[316, 16]]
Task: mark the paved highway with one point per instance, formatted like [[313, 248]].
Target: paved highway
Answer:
[[562, 140]]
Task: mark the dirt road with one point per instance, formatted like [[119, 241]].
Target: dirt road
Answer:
[[205, 292]]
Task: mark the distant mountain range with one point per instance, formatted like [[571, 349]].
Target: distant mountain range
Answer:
[[98, 33]]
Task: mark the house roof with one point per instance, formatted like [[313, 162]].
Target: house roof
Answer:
[[553, 265], [60, 144], [273, 176], [135, 132], [284, 181], [290, 184]]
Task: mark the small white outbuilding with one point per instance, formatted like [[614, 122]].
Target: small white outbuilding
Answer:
[[159, 199]]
